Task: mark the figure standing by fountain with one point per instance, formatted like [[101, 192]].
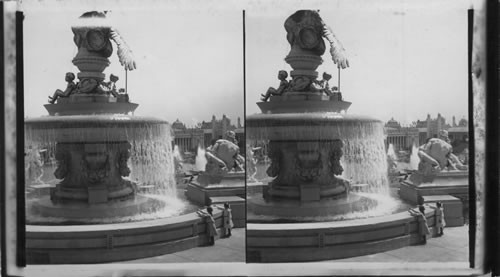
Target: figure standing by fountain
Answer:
[[423, 227], [440, 223], [227, 223], [211, 228]]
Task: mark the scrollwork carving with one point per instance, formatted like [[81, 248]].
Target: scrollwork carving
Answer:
[[334, 158], [308, 170], [274, 153], [124, 155], [95, 167], [63, 161]]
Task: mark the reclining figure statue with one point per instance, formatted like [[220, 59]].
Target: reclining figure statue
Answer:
[[222, 157], [436, 156]]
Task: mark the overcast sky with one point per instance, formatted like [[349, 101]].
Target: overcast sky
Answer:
[[408, 58], [189, 58]]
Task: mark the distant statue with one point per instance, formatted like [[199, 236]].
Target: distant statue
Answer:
[[282, 75], [306, 30], [33, 165], [70, 88], [435, 156], [251, 163], [178, 164], [231, 136], [223, 157], [392, 166]]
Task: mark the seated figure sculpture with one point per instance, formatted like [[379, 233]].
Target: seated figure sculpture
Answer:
[[70, 88], [282, 75], [109, 87], [122, 96], [436, 156], [322, 85], [336, 94]]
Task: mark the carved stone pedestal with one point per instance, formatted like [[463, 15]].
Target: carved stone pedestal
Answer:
[[201, 190], [92, 172], [306, 170]]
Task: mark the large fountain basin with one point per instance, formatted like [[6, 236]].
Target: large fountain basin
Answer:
[[95, 128], [116, 242], [81, 210], [311, 126], [358, 140], [289, 209], [299, 242]]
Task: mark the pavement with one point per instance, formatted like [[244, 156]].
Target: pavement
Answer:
[[227, 250]]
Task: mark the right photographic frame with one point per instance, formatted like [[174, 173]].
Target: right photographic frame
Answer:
[[358, 129]]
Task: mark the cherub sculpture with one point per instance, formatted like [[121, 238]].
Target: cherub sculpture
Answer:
[[110, 87], [70, 88], [322, 85], [282, 75]]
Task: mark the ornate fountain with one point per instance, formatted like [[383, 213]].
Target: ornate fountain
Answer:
[[91, 134], [105, 159], [309, 135], [327, 166]]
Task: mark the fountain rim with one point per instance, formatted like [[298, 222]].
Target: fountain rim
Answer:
[[307, 116], [94, 120], [150, 223], [361, 222], [306, 119]]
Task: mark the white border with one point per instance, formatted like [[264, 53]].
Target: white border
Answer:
[[219, 269]]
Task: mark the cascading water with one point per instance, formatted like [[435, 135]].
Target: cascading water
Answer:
[[364, 159], [414, 159], [177, 153], [200, 160], [151, 157], [391, 154]]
